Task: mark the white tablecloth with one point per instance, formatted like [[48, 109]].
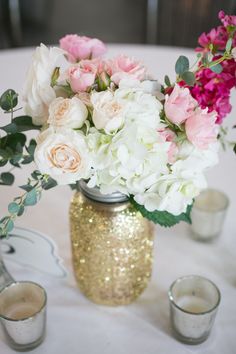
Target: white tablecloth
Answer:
[[77, 326]]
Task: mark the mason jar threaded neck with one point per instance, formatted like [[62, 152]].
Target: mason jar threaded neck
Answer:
[[95, 194]]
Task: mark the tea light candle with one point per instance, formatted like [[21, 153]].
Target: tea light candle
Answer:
[[23, 314], [208, 214], [194, 301]]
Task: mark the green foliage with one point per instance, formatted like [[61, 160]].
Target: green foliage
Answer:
[[181, 65], [189, 78], [167, 81], [163, 218], [7, 178], [8, 100], [13, 145], [33, 190], [20, 124], [182, 69], [55, 76], [228, 45], [217, 68]]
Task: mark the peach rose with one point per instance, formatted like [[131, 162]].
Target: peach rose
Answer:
[[63, 155], [67, 112]]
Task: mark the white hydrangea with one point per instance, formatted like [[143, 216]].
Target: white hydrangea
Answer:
[[173, 192], [129, 162]]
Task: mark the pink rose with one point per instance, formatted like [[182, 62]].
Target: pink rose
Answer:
[[201, 128], [78, 48], [123, 67], [82, 76], [170, 136], [179, 105]]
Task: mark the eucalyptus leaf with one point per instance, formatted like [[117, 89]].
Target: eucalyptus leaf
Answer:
[[26, 187], [36, 174], [8, 100], [7, 178], [13, 208], [50, 183], [216, 68], [9, 226], [20, 124], [228, 45], [21, 210], [188, 77], [167, 81], [31, 198], [181, 65], [3, 162]]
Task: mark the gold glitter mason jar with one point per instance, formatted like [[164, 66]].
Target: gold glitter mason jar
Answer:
[[112, 247]]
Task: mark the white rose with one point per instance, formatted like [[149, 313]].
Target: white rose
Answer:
[[67, 112], [63, 155], [37, 92], [108, 113]]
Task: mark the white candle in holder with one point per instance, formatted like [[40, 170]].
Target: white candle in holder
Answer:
[[208, 214], [194, 301]]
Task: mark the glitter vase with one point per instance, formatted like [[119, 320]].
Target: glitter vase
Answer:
[[112, 247]]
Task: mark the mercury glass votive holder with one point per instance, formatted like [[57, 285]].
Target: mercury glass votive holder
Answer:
[[208, 214], [194, 301], [23, 314]]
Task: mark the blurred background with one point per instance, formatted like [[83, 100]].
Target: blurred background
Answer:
[[163, 22]]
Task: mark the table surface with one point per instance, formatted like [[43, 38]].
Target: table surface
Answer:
[[78, 326]]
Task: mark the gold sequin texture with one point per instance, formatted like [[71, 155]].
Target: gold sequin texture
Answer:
[[112, 248]]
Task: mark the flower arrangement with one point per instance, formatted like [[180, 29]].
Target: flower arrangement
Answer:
[[107, 121]]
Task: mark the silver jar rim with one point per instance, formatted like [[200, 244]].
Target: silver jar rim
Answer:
[[95, 194]]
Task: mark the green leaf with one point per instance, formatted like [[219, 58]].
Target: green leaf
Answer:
[[3, 163], [74, 186], [31, 198], [7, 178], [10, 128], [26, 187], [15, 142], [13, 208], [20, 124], [55, 76], [234, 148], [167, 81], [181, 65], [188, 77], [27, 159], [163, 218], [8, 100], [9, 226], [50, 183], [36, 175], [31, 148], [228, 45], [21, 210], [216, 68]]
